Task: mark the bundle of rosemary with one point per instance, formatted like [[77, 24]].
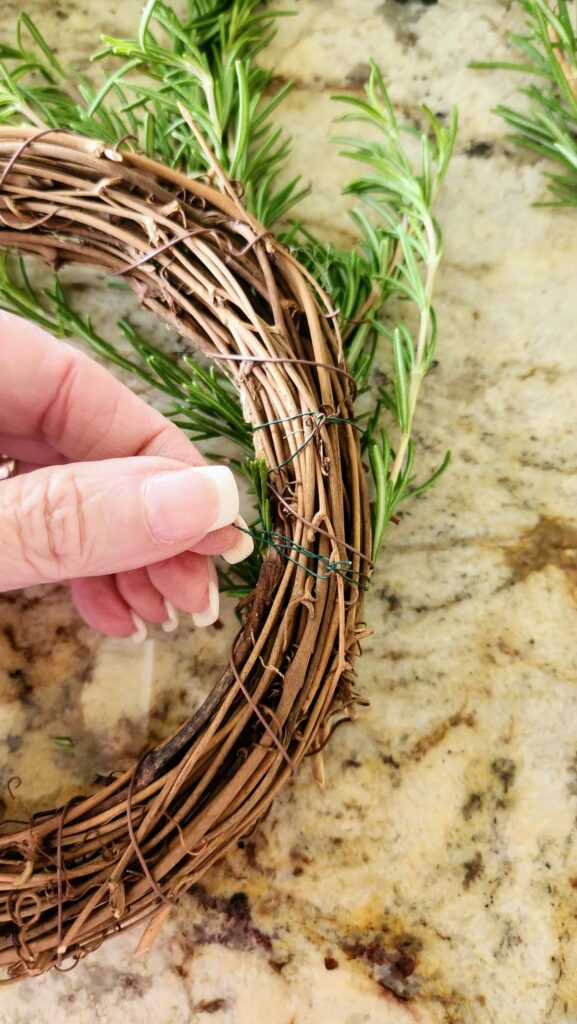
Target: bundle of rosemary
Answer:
[[172, 175]]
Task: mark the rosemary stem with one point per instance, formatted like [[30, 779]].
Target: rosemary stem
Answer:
[[419, 367], [30, 115], [208, 86]]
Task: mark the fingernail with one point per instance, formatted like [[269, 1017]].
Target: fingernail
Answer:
[[186, 504], [171, 622], [140, 631], [210, 615], [242, 547]]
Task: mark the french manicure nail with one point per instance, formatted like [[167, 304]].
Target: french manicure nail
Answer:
[[186, 504], [171, 622], [140, 631], [210, 614], [243, 546]]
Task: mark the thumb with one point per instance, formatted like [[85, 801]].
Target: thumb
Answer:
[[95, 518]]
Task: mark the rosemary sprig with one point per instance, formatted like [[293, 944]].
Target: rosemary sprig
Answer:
[[398, 257], [403, 251], [206, 65], [549, 126]]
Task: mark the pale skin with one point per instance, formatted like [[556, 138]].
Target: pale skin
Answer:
[[108, 497]]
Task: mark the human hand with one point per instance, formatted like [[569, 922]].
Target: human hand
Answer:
[[108, 495]]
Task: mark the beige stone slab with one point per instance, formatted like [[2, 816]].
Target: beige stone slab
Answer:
[[434, 879]]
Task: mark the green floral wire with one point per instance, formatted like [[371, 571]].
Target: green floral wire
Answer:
[[320, 418], [282, 544], [339, 566], [279, 541]]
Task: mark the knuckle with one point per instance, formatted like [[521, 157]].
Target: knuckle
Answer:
[[52, 525]]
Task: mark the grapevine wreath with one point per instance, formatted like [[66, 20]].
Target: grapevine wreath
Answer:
[[291, 326]]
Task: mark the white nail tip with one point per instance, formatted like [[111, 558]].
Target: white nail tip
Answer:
[[243, 547], [222, 478], [140, 631], [171, 618], [209, 616]]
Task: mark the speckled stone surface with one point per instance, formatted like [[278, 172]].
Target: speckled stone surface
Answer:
[[434, 879]]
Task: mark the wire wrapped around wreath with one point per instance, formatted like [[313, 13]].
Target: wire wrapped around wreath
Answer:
[[196, 258]]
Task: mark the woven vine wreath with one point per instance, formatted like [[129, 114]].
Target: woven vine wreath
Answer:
[[112, 859]]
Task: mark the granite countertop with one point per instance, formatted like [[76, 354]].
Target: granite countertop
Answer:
[[434, 878]]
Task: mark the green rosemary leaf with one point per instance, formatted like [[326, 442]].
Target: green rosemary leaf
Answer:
[[145, 22], [415, 491], [24, 22], [63, 741], [505, 65], [401, 382], [239, 150], [388, 401], [259, 472], [380, 457], [109, 85]]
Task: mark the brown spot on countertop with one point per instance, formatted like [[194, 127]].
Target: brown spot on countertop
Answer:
[[473, 869], [210, 1005], [472, 804], [468, 382], [227, 922], [403, 16], [479, 148], [505, 769], [572, 773], [134, 985], [438, 733], [249, 848], [359, 75], [299, 859], [391, 960], [550, 542]]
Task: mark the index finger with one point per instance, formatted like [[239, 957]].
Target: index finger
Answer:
[[52, 393]]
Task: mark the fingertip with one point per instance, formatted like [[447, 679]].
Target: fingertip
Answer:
[[216, 542], [140, 594], [102, 607], [234, 543], [183, 580]]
